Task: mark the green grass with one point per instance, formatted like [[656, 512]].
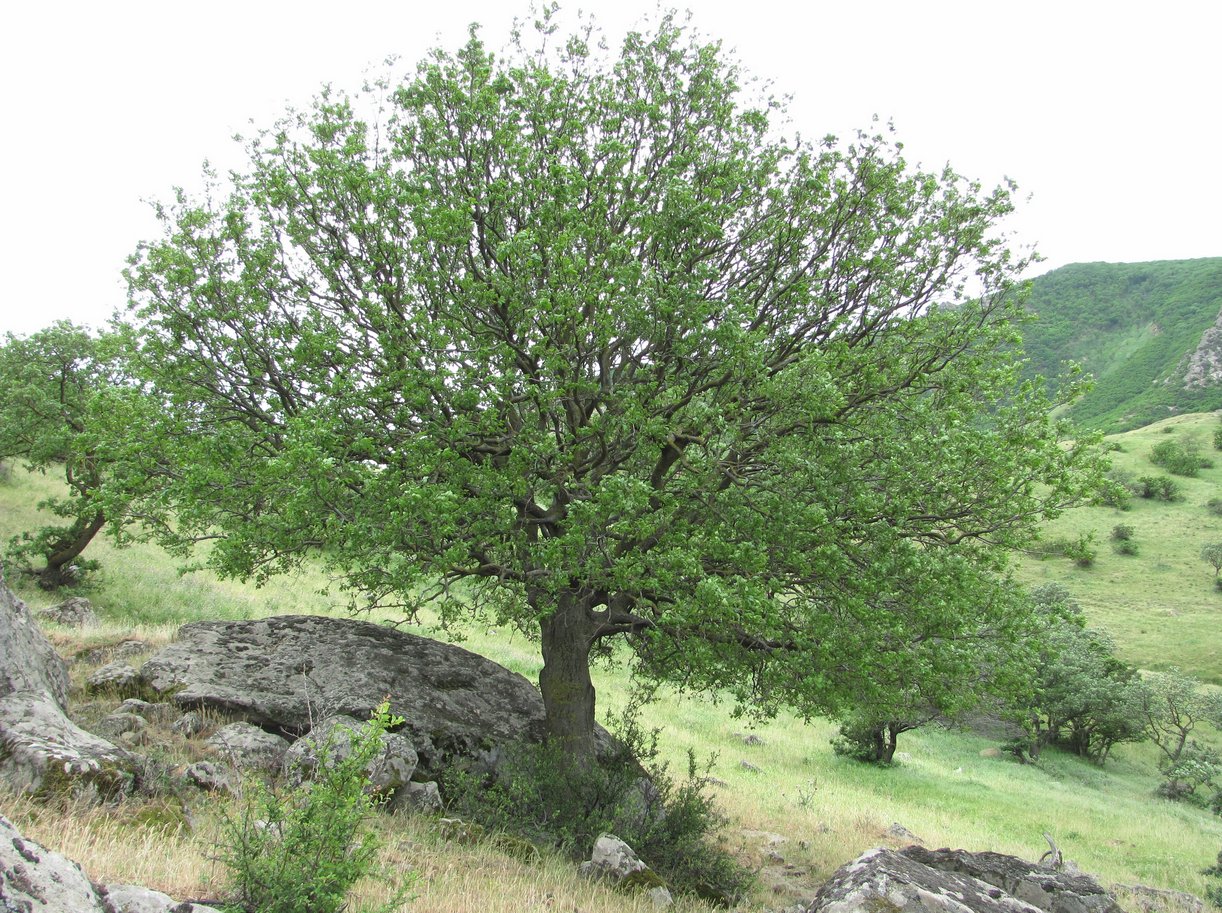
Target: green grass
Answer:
[[1160, 605], [947, 787]]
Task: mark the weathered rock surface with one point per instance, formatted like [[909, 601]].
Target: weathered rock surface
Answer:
[[248, 747], [208, 776], [28, 662], [616, 862], [1048, 889], [128, 898], [75, 612], [277, 672], [392, 768], [915, 880], [417, 797], [34, 879], [42, 750], [116, 678]]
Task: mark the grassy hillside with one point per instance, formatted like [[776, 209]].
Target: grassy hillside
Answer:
[[1132, 326], [1160, 605], [949, 788]]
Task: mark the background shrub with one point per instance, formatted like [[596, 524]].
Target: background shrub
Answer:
[[1159, 488], [540, 795], [1179, 458]]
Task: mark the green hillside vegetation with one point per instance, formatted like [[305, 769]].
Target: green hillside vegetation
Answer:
[[952, 788], [1160, 604], [1132, 326]]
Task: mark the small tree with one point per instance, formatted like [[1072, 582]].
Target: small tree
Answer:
[[64, 405], [1181, 458], [1172, 705], [1211, 554]]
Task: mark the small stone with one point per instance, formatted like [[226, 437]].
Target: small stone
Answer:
[[748, 766], [207, 776], [73, 612], [113, 677], [189, 724]]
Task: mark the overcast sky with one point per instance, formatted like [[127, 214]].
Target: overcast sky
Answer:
[[1106, 113]]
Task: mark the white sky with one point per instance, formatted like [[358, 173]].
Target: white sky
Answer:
[[1108, 113]]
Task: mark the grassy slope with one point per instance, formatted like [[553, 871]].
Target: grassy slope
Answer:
[[943, 789], [1160, 605], [1130, 325]]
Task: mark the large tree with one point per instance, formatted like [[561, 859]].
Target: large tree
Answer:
[[583, 341]]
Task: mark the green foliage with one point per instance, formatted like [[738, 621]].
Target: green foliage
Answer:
[[1122, 540], [1211, 554], [1213, 891], [1179, 458], [301, 849], [541, 794], [1158, 488], [1081, 696], [871, 741], [1218, 438], [1195, 776], [1214, 506], [1131, 326], [1080, 550], [580, 328]]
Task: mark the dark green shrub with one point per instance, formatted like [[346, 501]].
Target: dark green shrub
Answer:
[[1214, 506], [1158, 488], [1178, 458], [1125, 547], [1218, 439], [301, 849], [1122, 532], [870, 741], [1213, 890], [539, 793]]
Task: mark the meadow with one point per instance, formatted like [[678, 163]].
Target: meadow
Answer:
[[796, 810]]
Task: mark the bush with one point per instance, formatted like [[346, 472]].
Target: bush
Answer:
[[1125, 547], [1178, 458], [540, 795], [1213, 891], [1158, 488], [1214, 506], [300, 849], [1218, 439], [1081, 550], [1122, 532]]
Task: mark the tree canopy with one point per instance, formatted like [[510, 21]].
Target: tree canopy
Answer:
[[580, 340]]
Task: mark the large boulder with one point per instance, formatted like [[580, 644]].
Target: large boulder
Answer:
[[916, 880], [277, 673], [391, 768], [28, 662], [42, 751]]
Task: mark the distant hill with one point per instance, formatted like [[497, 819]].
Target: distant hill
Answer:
[[1150, 333]]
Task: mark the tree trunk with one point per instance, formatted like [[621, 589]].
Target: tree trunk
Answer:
[[568, 692], [68, 549], [888, 739]]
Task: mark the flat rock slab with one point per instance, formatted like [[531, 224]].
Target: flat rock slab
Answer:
[[912, 881], [284, 672]]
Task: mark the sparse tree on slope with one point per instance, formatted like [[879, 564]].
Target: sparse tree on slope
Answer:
[[60, 399], [589, 338]]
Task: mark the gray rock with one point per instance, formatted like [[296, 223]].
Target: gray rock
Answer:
[[189, 724], [75, 612], [277, 672], [116, 677], [417, 797], [612, 859], [28, 662], [41, 749], [1048, 889], [208, 776], [897, 831], [248, 747], [392, 768], [116, 724], [34, 879], [1155, 900], [130, 898], [157, 713], [917, 880]]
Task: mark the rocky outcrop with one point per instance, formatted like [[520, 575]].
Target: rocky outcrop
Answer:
[[916, 880], [1205, 363], [34, 879], [28, 662], [284, 672], [41, 750]]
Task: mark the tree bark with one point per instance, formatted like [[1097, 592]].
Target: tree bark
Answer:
[[68, 549], [568, 692]]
